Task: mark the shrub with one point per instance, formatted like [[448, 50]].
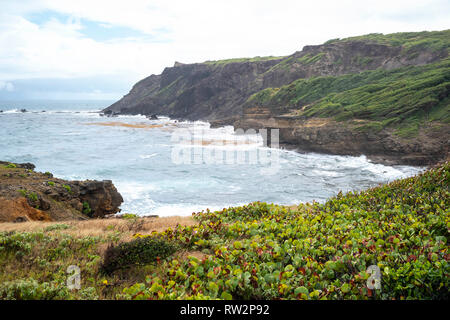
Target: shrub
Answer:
[[129, 216], [30, 289], [51, 183], [32, 196], [68, 188], [136, 252], [86, 208], [11, 166], [14, 242]]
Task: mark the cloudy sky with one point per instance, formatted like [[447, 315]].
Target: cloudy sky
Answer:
[[97, 49]]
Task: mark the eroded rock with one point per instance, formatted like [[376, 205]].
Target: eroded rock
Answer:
[[40, 196]]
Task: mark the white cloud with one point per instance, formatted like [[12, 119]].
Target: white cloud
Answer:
[[196, 31], [7, 86]]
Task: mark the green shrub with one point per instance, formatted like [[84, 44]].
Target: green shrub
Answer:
[[18, 241], [51, 183], [129, 216], [136, 252], [30, 289], [32, 196], [86, 208], [11, 166], [68, 188]]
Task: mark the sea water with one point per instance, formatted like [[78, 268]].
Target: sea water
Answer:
[[73, 141]]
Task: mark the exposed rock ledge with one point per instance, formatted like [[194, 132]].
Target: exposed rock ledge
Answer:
[[28, 195], [324, 135]]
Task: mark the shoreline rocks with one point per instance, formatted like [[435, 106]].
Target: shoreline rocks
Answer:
[[28, 195]]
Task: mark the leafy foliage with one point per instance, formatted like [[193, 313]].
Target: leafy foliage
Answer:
[[318, 251], [87, 208], [30, 289], [34, 264]]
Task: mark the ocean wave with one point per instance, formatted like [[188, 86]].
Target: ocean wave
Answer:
[[148, 156]]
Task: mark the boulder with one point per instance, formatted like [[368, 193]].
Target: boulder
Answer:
[[152, 117], [102, 197], [40, 196]]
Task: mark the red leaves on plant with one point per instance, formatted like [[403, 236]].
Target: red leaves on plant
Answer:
[[411, 258], [136, 295]]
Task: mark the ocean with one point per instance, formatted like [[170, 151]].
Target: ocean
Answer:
[[165, 167]]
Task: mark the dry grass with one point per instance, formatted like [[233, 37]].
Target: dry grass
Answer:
[[102, 227], [126, 125]]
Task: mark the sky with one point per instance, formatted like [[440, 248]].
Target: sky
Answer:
[[97, 49]]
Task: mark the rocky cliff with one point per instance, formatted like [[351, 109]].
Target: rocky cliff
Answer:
[[284, 92], [29, 195]]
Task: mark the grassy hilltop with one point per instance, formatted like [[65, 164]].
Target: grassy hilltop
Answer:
[[313, 251]]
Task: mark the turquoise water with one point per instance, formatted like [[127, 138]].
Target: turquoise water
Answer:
[[71, 140]]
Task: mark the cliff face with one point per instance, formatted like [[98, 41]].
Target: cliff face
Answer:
[[29, 195], [196, 91], [223, 92]]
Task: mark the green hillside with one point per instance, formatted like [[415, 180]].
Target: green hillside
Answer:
[[405, 97], [411, 41]]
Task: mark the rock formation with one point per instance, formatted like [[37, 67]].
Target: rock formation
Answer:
[[221, 92], [29, 195]]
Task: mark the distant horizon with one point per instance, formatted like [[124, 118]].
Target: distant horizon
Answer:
[[60, 49]]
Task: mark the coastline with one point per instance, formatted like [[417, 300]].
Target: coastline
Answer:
[[315, 251]]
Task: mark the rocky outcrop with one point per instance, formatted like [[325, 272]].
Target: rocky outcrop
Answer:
[[29, 195], [102, 196], [219, 91], [324, 135]]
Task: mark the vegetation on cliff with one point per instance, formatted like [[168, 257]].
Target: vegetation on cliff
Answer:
[[404, 98], [313, 251], [412, 42]]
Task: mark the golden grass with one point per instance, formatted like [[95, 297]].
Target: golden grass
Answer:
[[127, 125], [102, 227]]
